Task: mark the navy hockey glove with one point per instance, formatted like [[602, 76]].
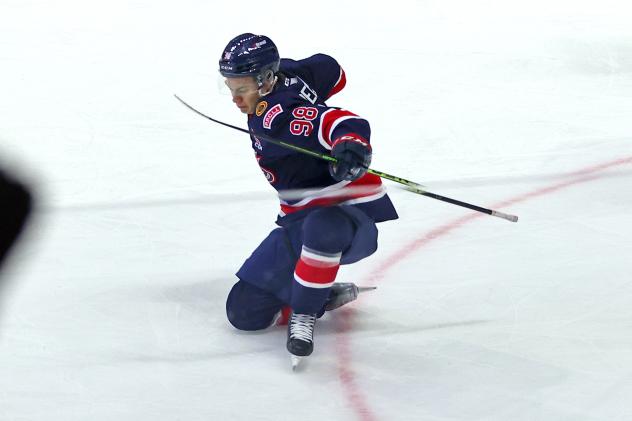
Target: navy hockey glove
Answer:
[[353, 155]]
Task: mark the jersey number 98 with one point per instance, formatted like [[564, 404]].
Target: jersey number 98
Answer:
[[302, 124]]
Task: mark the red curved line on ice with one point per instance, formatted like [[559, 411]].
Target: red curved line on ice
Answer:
[[353, 392]]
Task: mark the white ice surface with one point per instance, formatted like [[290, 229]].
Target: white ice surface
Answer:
[[113, 308]]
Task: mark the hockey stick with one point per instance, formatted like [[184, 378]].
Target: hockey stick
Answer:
[[410, 185]]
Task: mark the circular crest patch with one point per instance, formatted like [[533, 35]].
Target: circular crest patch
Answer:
[[261, 107]]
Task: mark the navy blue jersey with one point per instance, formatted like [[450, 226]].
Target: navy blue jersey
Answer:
[[295, 112]]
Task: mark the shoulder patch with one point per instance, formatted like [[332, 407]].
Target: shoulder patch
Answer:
[[261, 107], [271, 115]]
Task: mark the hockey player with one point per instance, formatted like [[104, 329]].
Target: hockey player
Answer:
[[328, 211]]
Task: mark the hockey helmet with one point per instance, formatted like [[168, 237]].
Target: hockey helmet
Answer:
[[250, 55]]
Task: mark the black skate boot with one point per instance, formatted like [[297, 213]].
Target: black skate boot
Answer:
[[342, 293], [300, 336]]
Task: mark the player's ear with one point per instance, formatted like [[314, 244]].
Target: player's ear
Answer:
[[267, 80], [268, 76]]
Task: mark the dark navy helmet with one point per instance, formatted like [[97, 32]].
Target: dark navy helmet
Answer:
[[250, 55]]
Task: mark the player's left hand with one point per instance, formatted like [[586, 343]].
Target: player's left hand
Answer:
[[353, 156]]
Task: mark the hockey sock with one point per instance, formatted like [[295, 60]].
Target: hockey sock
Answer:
[[314, 274], [326, 233]]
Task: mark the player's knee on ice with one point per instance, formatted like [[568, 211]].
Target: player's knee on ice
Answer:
[[328, 230], [251, 308]]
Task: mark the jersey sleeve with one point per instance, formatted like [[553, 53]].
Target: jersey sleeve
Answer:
[[336, 123], [320, 71]]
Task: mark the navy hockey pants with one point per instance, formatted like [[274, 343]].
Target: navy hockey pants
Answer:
[[267, 278]]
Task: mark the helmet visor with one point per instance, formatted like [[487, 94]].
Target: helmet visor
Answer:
[[237, 86]]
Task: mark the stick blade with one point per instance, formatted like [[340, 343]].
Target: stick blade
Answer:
[[508, 217]]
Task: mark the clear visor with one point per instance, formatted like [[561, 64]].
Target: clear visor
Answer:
[[238, 86]]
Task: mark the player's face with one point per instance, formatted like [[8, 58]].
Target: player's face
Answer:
[[245, 93]]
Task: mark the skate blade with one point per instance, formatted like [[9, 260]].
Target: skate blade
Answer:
[[363, 289], [296, 360]]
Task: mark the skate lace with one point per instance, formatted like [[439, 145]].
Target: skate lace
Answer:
[[302, 327]]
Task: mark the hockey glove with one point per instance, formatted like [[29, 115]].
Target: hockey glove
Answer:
[[353, 155]]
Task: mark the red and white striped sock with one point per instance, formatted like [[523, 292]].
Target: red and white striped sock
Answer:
[[316, 269]]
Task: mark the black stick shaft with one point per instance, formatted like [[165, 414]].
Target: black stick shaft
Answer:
[[411, 185]]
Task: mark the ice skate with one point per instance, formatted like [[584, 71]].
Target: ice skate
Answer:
[[343, 293], [300, 336]]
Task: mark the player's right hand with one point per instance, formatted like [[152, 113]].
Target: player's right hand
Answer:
[[353, 157]]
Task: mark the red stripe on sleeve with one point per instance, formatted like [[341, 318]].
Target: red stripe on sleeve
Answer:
[[329, 118], [342, 81]]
